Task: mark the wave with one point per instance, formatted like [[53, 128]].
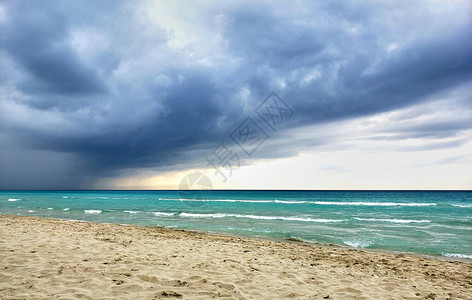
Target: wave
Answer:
[[457, 255], [93, 211], [236, 200], [158, 213], [220, 215], [30, 211], [374, 203], [131, 211], [290, 202], [13, 199], [65, 197], [357, 244], [308, 202], [190, 215], [402, 221], [226, 200], [339, 203], [66, 209], [462, 205]]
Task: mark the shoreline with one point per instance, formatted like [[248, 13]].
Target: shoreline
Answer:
[[323, 245], [281, 240], [45, 257]]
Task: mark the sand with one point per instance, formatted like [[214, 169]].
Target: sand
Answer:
[[46, 258]]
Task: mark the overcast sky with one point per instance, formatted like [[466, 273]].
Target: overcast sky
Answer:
[[137, 94]]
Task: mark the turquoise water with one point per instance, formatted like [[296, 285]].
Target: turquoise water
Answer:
[[438, 223]]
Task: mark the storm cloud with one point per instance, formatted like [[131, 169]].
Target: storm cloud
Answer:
[[114, 86]]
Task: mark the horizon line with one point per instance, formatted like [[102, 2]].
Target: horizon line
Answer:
[[306, 190]]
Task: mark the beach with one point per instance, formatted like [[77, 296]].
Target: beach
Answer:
[[49, 258]]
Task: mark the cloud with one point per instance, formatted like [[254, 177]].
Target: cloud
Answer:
[[120, 86], [35, 37]]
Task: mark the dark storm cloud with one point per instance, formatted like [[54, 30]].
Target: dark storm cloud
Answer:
[[36, 39], [110, 89], [404, 79], [368, 79]]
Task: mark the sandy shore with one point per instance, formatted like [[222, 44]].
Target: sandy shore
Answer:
[[44, 258]]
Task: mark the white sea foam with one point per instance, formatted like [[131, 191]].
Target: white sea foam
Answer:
[[131, 211], [158, 213], [190, 215], [227, 200], [394, 220], [66, 209], [50, 208], [457, 255], [65, 197], [462, 205], [220, 215], [289, 202], [235, 200], [307, 202], [13, 199], [374, 203], [30, 210], [93, 211], [357, 244]]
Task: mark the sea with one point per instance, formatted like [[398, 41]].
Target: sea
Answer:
[[435, 223]]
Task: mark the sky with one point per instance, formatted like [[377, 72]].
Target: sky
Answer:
[[265, 95]]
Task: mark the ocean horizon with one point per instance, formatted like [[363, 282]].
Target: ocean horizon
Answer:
[[422, 222]]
